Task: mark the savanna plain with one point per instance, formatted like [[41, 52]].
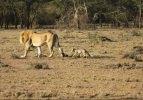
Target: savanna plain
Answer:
[[114, 70]]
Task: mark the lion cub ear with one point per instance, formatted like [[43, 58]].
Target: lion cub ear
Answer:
[[73, 49]]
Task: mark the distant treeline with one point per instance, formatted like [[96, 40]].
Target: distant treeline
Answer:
[[70, 13]]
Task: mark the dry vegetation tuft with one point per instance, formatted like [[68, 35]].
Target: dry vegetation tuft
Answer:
[[40, 66], [136, 53], [3, 65]]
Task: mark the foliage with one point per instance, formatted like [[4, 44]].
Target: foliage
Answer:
[[27, 13]]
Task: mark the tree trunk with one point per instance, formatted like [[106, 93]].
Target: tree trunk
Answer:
[[28, 10], [140, 13]]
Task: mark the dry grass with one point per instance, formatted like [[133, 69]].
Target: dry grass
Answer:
[[136, 53], [106, 75]]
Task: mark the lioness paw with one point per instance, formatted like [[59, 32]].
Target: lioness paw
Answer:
[[22, 56]]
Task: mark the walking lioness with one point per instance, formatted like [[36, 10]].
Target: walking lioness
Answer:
[[30, 38]]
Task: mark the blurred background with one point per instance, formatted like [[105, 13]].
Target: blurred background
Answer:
[[79, 14]]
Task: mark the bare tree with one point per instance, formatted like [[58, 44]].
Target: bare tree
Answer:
[[140, 13], [80, 15]]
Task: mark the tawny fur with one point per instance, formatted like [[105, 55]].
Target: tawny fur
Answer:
[[30, 38], [80, 53]]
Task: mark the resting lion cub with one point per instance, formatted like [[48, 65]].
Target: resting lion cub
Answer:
[[30, 38], [80, 53]]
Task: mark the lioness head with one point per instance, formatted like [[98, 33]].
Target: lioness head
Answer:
[[25, 36]]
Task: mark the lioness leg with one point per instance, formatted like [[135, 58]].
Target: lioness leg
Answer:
[[50, 46], [27, 46], [39, 51], [61, 52]]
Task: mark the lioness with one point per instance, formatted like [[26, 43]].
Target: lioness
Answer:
[[30, 38], [80, 53]]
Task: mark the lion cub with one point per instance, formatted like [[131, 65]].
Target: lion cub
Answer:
[[80, 53]]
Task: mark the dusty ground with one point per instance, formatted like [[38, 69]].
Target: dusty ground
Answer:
[[107, 75]]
